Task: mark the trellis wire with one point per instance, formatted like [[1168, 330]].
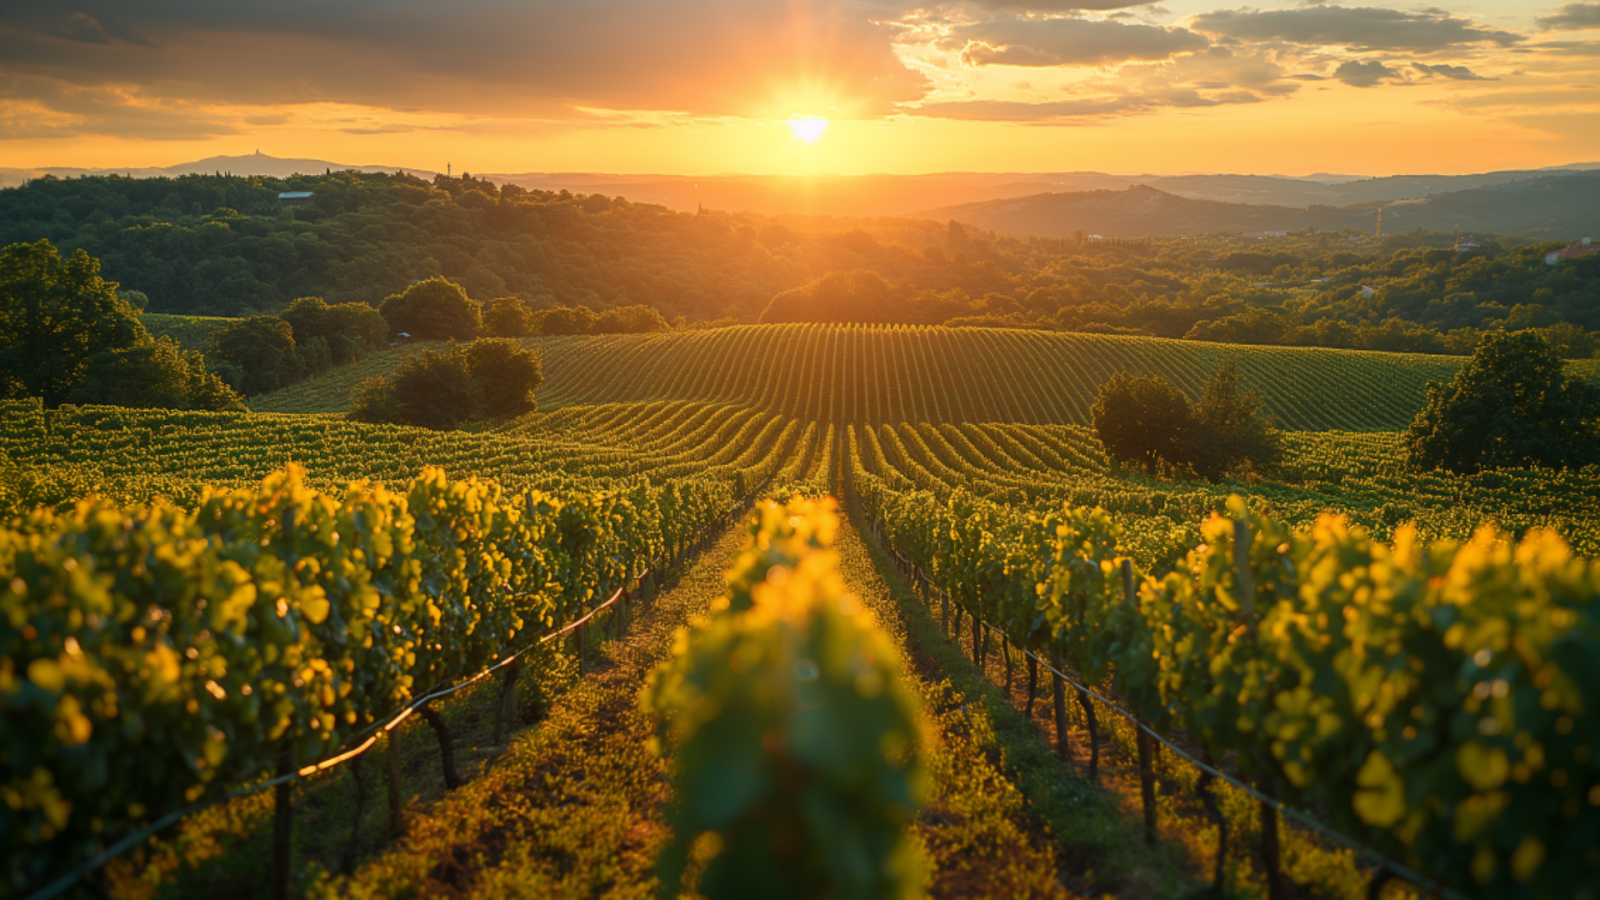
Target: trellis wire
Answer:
[[128, 842]]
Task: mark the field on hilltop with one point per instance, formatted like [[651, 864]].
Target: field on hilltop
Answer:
[[908, 374]]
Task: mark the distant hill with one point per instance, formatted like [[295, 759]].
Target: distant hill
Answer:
[[1555, 206], [878, 195], [253, 164]]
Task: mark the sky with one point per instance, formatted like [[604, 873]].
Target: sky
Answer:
[[1367, 87]]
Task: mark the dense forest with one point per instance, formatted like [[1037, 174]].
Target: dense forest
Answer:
[[224, 245]]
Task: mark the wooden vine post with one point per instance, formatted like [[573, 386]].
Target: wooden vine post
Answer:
[[1244, 583], [1147, 775], [391, 752], [1058, 690], [583, 610]]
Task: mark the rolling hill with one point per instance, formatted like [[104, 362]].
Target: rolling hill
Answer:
[[1557, 207], [869, 375]]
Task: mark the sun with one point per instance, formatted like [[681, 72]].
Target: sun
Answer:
[[808, 129]]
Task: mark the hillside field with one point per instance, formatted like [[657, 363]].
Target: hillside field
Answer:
[[968, 485], [897, 374]]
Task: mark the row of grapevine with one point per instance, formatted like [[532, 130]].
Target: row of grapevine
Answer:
[[150, 654], [56, 456], [1433, 701], [153, 654], [875, 375], [794, 738], [1361, 475]]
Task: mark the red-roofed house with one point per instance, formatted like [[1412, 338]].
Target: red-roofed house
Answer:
[[1585, 247]]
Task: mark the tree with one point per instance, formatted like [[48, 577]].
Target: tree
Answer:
[[351, 330], [55, 315], [507, 317], [506, 375], [1511, 405], [860, 295], [68, 335], [263, 348], [636, 319], [433, 310], [156, 373], [1234, 431], [434, 389], [564, 320], [1143, 420]]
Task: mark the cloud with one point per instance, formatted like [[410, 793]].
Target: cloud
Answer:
[[1013, 111], [1455, 73], [1058, 5], [1360, 28], [1068, 42], [1364, 74], [1570, 48], [1573, 17], [505, 58], [1214, 77], [41, 108]]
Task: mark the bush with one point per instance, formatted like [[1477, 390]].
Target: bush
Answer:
[[434, 389], [375, 401], [441, 389], [1511, 405], [506, 375], [1147, 421]]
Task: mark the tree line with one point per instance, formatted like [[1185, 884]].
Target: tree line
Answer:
[[224, 245]]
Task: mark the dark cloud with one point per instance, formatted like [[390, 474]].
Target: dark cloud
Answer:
[[1057, 5], [1573, 17], [1012, 111], [1570, 48], [1068, 42], [1456, 73], [1361, 28], [482, 57], [1364, 74], [1215, 77], [1085, 111]]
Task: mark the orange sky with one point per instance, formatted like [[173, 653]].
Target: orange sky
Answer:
[[678, 87]]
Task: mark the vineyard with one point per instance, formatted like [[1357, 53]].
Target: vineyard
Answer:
[[198, 606], [1430, 700], [878, 375]]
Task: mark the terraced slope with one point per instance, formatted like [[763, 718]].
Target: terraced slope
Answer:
[[893, 374]]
